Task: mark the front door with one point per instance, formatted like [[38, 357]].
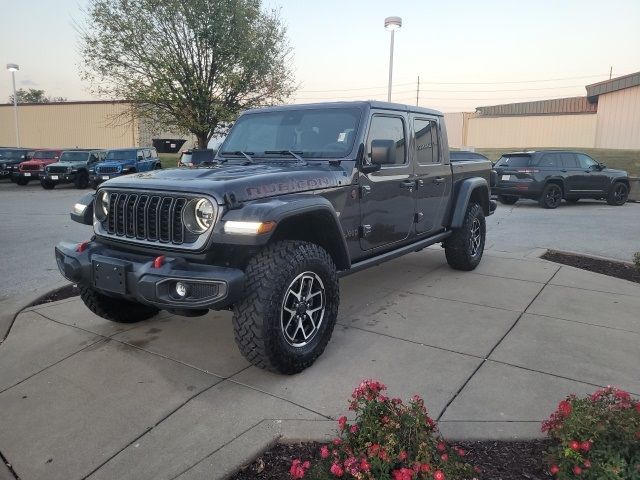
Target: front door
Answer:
[[433, 176], [387, 202], [592, 179]]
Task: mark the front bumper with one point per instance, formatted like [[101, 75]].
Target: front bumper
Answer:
[[133, 277], [98, 178], [69, 177], [29, 175]]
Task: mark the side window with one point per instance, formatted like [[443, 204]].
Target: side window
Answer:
[[154, 154], [147, 154], [586, 161], [427, 146], [93, 158], [388, 128], [569, 160], [549, 160], [140, 155]]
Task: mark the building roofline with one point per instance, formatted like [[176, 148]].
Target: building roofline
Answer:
[[613, 85], [75, 102]]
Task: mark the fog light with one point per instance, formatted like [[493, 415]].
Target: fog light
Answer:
[[182, 289]]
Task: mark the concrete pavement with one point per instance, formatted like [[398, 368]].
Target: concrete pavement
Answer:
[[491, 351]]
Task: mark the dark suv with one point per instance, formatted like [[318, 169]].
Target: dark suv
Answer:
[[551, 175]]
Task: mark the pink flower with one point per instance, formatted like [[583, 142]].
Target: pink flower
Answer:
[[577, 470], [441, 447], [351, 465], [564, 408], [337, 441], [298, 468], [324, 451], [403, 474], [574, 445], [585, 446], [354, 429], [342, 421], [336, 470], [364, 465], [438, 475], [425, 468], [444, 457], [402, 456], [554, 469], [461, 452], [586, 463]]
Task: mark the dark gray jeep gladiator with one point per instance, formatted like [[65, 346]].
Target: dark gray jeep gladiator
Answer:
[[296, 197]]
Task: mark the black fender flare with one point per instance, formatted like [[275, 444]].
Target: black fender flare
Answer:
[[283, 209], [465, 190]]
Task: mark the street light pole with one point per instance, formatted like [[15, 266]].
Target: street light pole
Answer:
[[392, 24], [13, 68]]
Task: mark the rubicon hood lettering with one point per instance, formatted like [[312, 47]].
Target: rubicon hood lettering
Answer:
[[288, 187]]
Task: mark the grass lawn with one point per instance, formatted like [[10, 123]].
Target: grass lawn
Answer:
[[628, 160], [169, 160]]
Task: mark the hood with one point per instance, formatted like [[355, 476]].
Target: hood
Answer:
[[247, 182], [617, 173], [39, 161], [68, 164]]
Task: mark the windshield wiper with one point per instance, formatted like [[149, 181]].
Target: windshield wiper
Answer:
[[294, 154], [246, 155]]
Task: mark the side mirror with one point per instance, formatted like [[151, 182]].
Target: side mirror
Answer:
[[83, 210], [383, 152], [601, 166]]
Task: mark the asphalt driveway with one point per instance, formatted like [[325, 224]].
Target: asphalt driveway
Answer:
[[491, 351]]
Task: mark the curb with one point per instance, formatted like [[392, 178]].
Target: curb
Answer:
[[10, 308], [589, 255]]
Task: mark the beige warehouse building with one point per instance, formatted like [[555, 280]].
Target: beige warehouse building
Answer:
[[607, 117]]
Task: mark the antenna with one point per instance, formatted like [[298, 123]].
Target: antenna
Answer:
[[418, 91]]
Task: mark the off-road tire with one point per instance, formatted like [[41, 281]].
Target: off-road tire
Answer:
[[48, 184], [458, 247], [22, 181], [257, 317], [82, 180], [508, 199], [115, 309], [551, 196], [618, 194]]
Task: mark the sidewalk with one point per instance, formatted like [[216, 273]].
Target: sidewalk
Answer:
[[491, 351]]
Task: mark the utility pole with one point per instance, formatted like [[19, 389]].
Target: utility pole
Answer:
[[610, 72], [418, 91]]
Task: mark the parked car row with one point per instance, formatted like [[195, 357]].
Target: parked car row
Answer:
[[549, 176], [82, 167]]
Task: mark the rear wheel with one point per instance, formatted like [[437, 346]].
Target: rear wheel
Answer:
[[115, 309], [507, 199], [47, 184], [464, 248], [22, 181], [286, 318], [618, 195], [551, 196], [82, 180]]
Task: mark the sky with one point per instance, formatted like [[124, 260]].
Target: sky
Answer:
[[467, 53]]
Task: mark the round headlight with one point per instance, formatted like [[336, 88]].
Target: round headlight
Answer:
[[198, 215], [101, 206]]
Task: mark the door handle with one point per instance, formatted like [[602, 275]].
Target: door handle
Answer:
[[438, 180]]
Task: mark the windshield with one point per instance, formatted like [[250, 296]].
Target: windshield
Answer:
[[12, 154], [121, 155], [45, 154], [311, 133], [74, 156], [513, 161]]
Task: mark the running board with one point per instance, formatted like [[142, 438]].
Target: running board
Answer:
[[398, 252]]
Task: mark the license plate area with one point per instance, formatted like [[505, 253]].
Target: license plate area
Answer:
[[27, 174], [54, 177], [105, 177], [110, 274], [506, 177]]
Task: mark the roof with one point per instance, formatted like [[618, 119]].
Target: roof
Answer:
[[542, 107], [608, 86], [355, 104]]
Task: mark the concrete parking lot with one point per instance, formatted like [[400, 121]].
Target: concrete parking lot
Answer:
[[33, 220]]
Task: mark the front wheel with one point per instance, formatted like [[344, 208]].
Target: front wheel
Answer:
[[47, 184], [464, 248], [115, 309], [22, 181], [290, 307], [82, 180], [551, 196], [618, 195]]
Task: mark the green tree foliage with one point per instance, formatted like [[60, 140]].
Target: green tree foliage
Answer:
[[34, 95], [191, 64]]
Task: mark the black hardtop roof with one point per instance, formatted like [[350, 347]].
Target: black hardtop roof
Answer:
[[357, 104], [539, 152]]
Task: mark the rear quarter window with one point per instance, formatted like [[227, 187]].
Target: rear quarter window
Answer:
[[514, 161]]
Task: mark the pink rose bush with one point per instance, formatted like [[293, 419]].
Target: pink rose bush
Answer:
[[597, 437], [389, 440]]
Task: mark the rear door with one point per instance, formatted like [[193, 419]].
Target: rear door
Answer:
[[571, 172], [387, 202], [433, 175]]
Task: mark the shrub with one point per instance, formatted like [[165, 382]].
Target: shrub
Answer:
[[388, 440], [597, 437], [636, 260]]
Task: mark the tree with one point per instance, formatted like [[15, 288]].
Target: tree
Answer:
[[34, 95], [191, 64]]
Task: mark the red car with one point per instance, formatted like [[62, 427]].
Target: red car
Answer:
[[32, 169]]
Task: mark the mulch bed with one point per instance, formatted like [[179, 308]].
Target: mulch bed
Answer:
[[63, 293], [497, 460], [612, 268]]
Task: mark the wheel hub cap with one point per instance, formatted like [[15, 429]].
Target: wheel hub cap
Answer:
[[303, 309], [476, 237]]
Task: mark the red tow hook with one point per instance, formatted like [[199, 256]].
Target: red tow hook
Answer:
[[159, 261], [82, 246]]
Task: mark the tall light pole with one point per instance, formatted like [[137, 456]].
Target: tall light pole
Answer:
[[392, 24], [13, 68]]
